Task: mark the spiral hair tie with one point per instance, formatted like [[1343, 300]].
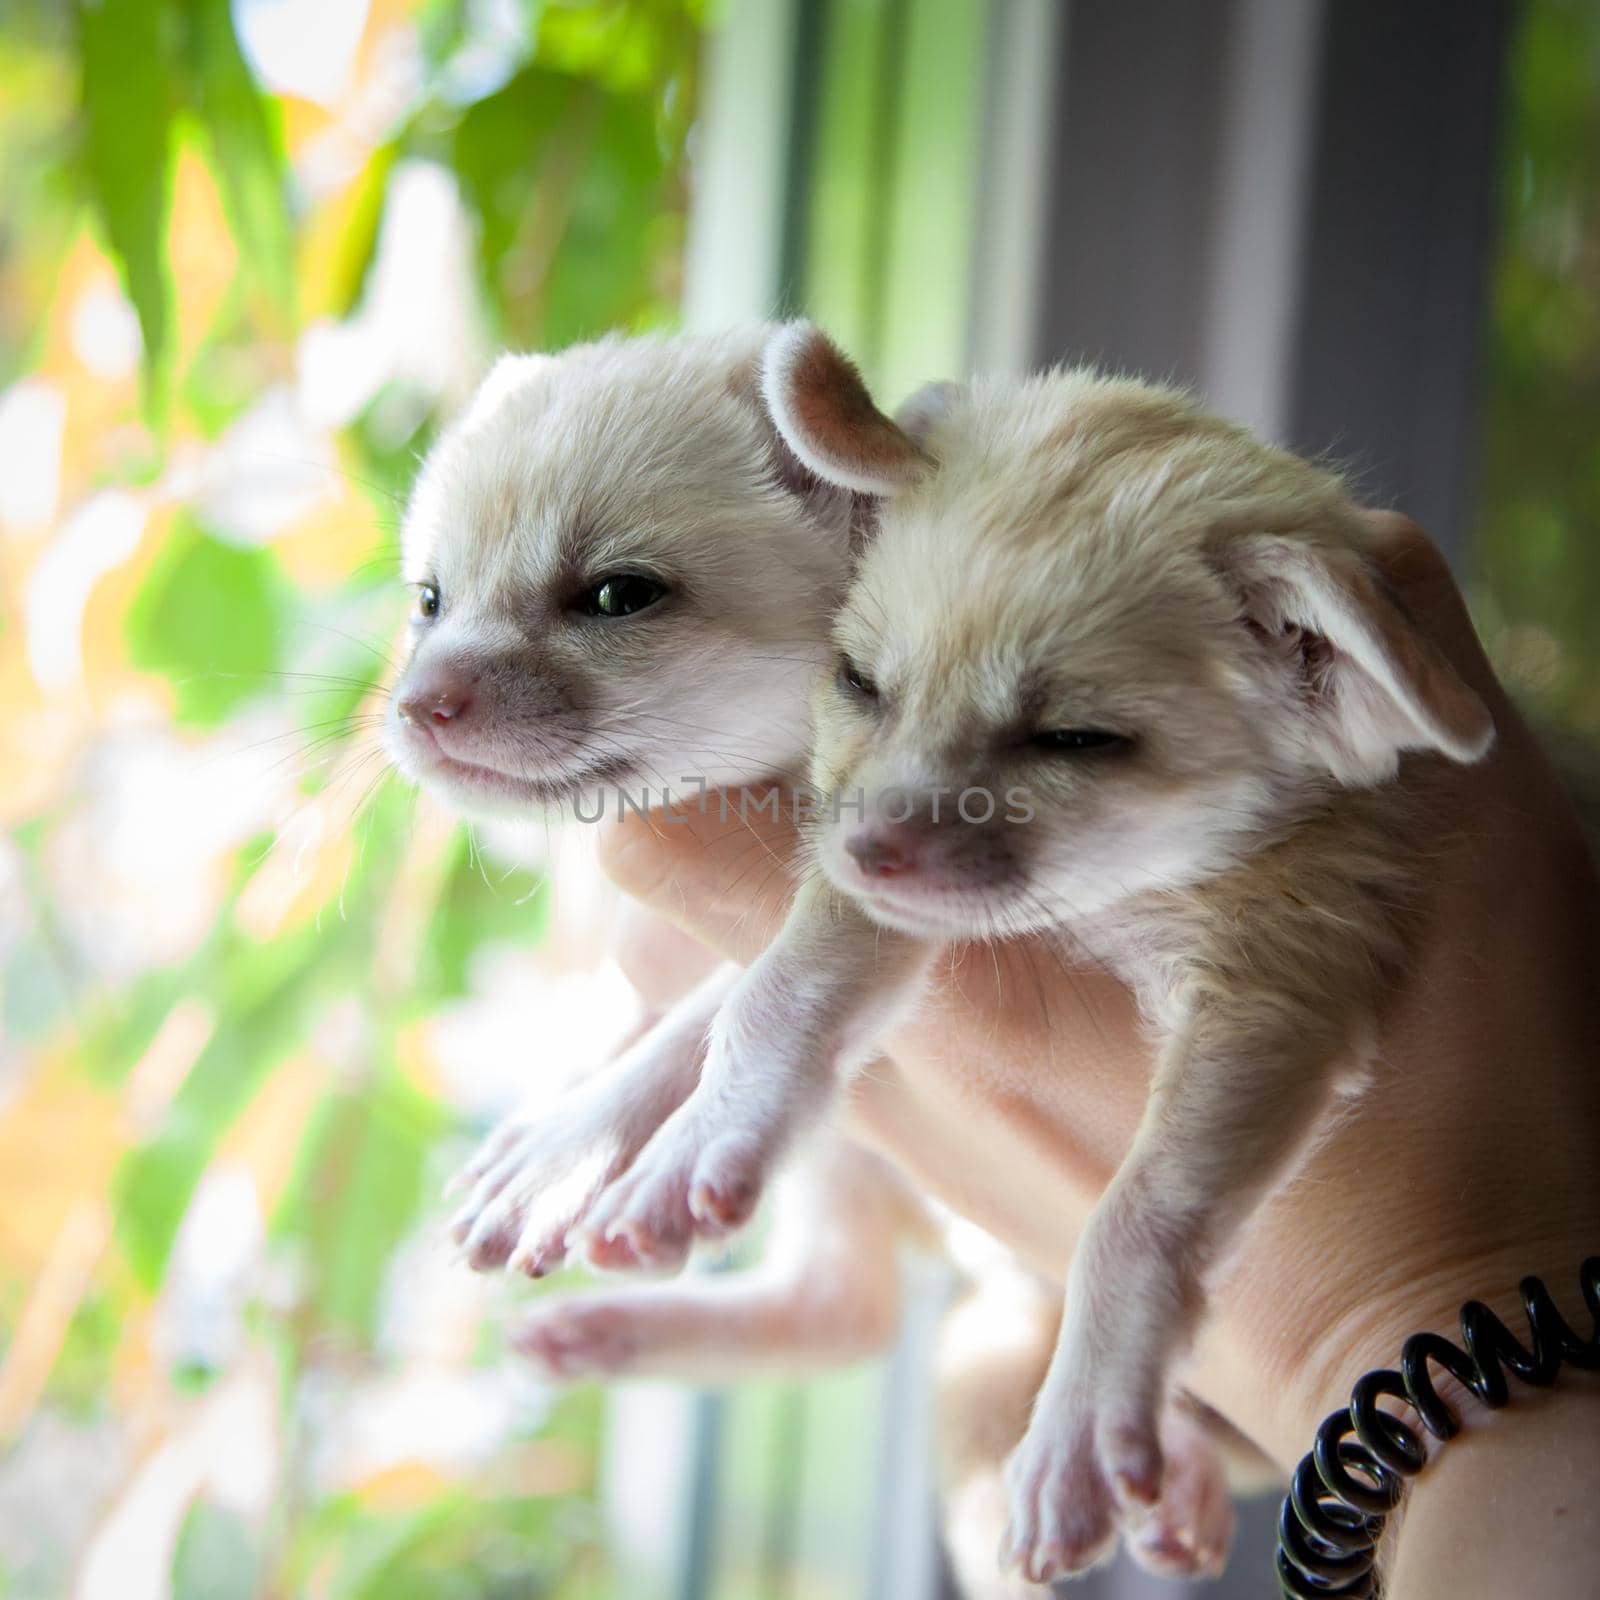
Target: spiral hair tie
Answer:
[[1343, 1491]]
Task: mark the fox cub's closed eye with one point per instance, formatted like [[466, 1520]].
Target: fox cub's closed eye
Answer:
[[621, 595], [1069, 741], [855, 680]]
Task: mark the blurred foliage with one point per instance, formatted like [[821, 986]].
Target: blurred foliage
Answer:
[[1538, 542], [249, 255]]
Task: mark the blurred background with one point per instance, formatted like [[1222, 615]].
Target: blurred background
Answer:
[[258, 1000]]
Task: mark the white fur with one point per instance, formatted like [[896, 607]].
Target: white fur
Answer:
[[650, 455], [671, 457], [1095, 554], [666, 453], [653, 455]]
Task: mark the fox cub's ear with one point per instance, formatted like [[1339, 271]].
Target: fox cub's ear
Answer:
[[511, 374], [822, 410], [919, 416], [1375, 684]]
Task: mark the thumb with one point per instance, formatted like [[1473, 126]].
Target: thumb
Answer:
[[720, 867]]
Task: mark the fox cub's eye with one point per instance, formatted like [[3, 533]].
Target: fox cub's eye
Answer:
[[427, 601], [854, 679], [621, 595], [1068, 741]]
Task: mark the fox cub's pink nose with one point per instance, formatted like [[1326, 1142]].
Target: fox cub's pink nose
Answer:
[[439, 697], [882, 855]]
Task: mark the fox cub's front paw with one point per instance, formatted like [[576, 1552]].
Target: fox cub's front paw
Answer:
[[530, 1182], [694, 1180], [535, 1178], [1088, 1468], [1063, 1513], [1190, 1531]]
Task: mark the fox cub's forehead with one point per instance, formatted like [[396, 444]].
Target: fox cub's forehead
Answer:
[[523, 495], [1029, 570]]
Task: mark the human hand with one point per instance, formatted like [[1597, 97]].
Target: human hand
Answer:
[[1469, 1161]]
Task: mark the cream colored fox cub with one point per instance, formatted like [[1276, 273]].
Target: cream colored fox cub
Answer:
[[625, 577], [1172, 639]]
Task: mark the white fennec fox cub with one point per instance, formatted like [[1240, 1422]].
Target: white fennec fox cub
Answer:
[[1174, 641], [625, 578], [595, 488], [624, 583]]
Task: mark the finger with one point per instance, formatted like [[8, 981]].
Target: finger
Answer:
[[721, 870]]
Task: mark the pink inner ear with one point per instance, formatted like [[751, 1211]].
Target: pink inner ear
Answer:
[[828, 418]]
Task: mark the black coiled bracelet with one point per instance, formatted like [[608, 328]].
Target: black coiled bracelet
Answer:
[[1342, 1492]]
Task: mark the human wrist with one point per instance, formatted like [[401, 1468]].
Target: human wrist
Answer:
[[1511, 1507]]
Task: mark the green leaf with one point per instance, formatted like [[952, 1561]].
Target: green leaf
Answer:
[[461, 1545], [127, 101], [264, 997], [246, 150], [81, 1379], [478, 905], [499, 153], [602, 274], [209, 617], [357, 1193], [217, 1557], [567, 181], [359, 245], [152, 1191]]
